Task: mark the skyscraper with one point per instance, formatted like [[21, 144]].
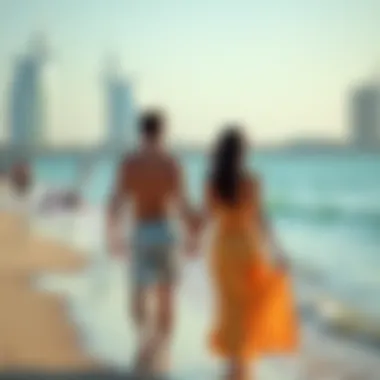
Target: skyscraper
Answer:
[[26, 99], [365, 116], [120, 113]]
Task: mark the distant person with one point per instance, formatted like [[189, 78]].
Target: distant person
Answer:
[[151, 180], [254, 309], [18, 192], [20, 178], [22, 186]]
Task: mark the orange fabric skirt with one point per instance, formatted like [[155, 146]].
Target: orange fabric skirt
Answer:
[[255, 311]]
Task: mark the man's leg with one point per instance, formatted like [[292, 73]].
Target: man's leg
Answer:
[[139, 308], [139, 311], [164, 324], [154, 345]]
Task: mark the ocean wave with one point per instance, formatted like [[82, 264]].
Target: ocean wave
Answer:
[[326, 211], [348, 321]]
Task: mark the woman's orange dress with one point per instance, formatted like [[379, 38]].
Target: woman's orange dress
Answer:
[[255, 312]]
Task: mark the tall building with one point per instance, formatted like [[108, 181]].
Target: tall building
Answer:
[[120, 113], [365, 116], [26, 117]]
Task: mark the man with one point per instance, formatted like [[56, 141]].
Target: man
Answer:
[[151, 179]]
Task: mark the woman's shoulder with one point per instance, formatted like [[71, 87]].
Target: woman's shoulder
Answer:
[[251, 180]]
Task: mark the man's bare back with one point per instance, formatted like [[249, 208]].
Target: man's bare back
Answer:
[[151, 180]]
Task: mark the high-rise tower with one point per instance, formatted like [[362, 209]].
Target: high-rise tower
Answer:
[[26, 114], [120, 111], [365, 115]]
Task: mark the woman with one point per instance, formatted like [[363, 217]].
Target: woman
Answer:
[[254, 308]]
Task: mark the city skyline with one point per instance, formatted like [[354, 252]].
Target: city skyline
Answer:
[[270, 65]]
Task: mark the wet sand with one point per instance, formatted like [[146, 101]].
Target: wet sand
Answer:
[[35, 333]]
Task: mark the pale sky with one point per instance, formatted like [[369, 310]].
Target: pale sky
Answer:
[[282, 67]]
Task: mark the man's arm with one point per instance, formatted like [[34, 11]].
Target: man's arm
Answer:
[[115, 206], [116, 200], [182, 205]]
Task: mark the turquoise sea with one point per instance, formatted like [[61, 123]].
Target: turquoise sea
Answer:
[[325, 210]]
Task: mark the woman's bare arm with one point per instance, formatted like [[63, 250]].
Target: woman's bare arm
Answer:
[[205, 213], [187, 214], [275, 247]]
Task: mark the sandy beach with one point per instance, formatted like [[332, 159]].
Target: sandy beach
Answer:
[[35, 333]]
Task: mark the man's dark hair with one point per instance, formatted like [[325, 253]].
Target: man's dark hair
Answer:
[[152, 124]]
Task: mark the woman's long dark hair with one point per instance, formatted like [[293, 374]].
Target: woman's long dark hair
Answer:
[[226, 170]]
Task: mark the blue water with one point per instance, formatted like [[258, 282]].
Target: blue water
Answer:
[[336, 186], [326, 210]]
